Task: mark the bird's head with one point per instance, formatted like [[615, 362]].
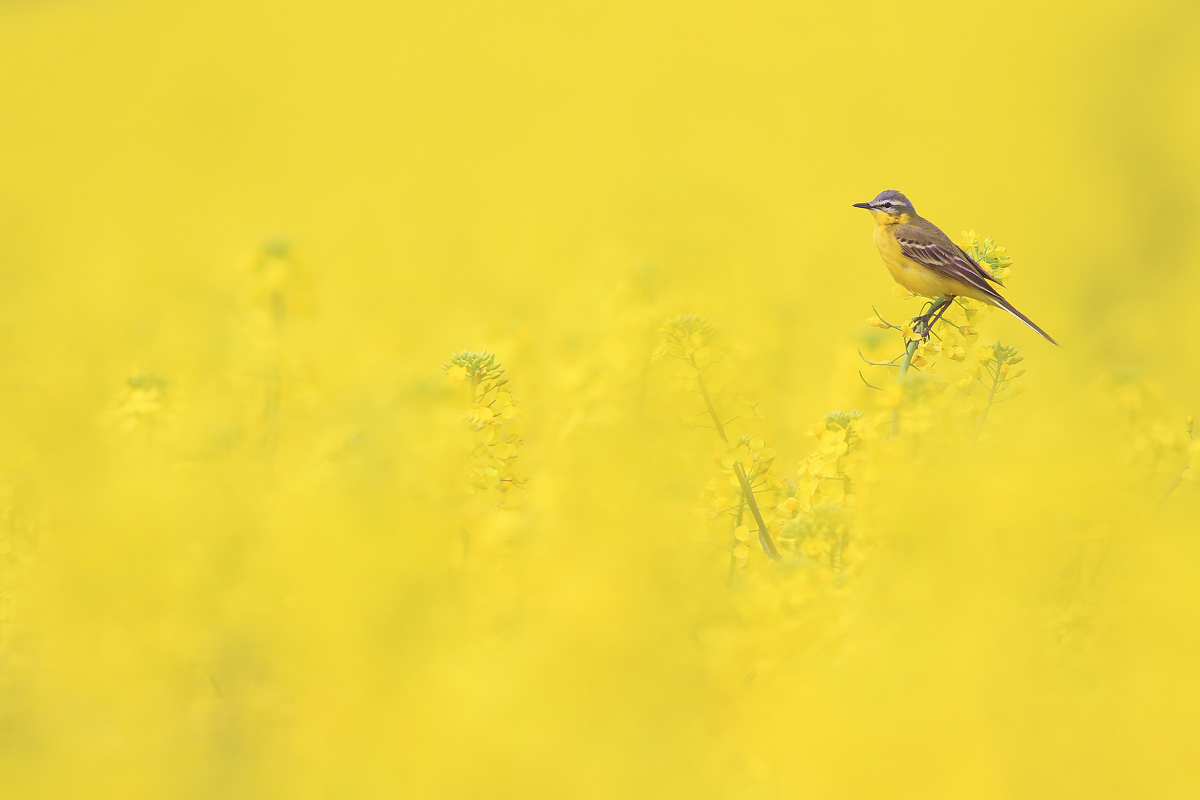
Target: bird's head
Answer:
[[889, 208]]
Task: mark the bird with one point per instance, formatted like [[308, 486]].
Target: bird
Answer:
[[924, 260]]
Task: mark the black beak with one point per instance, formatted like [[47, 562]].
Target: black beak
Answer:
[[863, 205]]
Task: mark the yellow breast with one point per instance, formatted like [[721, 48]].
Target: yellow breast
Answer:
[[915, 277]]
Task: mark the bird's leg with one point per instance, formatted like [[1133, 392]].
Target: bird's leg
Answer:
[[923, 324], [945, 302]]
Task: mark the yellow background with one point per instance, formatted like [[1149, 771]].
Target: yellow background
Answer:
[[191, 613]]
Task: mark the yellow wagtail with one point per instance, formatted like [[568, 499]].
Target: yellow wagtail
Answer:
[[925, 261]]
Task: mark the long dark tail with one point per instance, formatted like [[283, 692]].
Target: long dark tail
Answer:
[[1007, 306]]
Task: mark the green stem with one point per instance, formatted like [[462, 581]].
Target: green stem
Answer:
[[991, 397], [737, 523], [911, 348], [764, 537], [904, 364]]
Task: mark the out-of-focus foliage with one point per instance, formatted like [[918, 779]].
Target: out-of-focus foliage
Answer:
[[337, 460]]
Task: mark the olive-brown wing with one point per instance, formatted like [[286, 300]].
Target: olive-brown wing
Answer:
[[931, 248]]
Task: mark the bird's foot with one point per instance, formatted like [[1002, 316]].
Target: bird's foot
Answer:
[[924, 323], [921, 325]]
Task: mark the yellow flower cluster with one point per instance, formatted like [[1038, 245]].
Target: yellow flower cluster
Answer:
[[689, 337], [724, 495], [828, 474], [746, 460], [987, 254], [993, 375], [491, 416], [825, 536], [810, 515], [141, 404], [757, 462], [828, 483], [952, 335], [696, 343]]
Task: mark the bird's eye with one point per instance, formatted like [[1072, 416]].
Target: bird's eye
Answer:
[[887, 204]]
